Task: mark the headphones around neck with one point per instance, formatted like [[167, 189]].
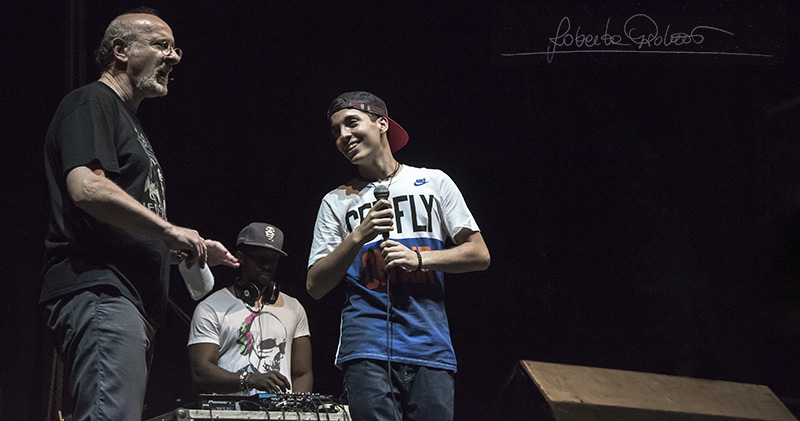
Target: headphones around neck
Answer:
[[249, 292]]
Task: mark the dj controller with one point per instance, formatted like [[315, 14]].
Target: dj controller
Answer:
[[261, 406]]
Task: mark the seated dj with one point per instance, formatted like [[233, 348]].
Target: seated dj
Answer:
[[250, 337]]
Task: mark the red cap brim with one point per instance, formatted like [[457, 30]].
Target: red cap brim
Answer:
[[397, 136]]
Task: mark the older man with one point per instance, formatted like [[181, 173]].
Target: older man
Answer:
[[109, 244]]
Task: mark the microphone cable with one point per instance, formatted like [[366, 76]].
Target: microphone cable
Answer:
[[382, 192], [388, 344]]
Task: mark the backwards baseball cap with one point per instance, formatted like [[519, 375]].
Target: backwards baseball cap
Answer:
[[370, 103], [262, 235]]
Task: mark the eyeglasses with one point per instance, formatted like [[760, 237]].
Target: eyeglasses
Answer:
[[164, 48]]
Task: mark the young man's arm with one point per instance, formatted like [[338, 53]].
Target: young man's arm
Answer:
[[92, 192], [210, 377], [302, 376], [327, 272], [469, 254], [207, 375]]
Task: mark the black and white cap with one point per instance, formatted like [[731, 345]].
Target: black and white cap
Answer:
[[261, 234]]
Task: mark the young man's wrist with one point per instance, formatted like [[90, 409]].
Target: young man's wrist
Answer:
[[357, 237]]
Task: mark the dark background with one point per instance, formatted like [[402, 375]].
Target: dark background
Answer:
[[642, 210]]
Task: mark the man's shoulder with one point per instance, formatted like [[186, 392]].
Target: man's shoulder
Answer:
[[95, 92], [425, 171], [350, 190], [293, 306], [290, 301], [421, 176], [220, 297], [94, 89]]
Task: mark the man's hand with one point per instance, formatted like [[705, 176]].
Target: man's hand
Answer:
[[396, 254], [219, 255], [187, 241], [326, 273], [270, 382], [379, 220]]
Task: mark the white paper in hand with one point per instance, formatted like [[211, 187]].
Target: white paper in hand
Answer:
[[198, 281]]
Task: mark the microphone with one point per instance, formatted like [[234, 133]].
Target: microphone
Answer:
[[382, 192], [398, 292]]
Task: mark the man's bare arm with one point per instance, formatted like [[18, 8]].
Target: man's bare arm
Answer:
[[91, 191]]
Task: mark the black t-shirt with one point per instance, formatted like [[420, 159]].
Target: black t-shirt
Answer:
[[92, 123]]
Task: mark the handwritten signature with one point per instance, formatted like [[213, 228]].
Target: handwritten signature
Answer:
[[639, 30]]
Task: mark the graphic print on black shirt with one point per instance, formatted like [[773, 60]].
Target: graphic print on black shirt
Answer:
[[154, 185]]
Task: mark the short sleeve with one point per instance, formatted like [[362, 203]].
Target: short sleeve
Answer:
[[205, 326]]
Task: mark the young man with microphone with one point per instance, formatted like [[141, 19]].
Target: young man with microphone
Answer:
[[394, 344]]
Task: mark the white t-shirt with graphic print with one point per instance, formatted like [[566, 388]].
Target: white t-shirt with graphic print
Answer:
[[259, 341]]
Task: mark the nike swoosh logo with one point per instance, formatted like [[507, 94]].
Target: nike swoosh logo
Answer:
[[421, 181]]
